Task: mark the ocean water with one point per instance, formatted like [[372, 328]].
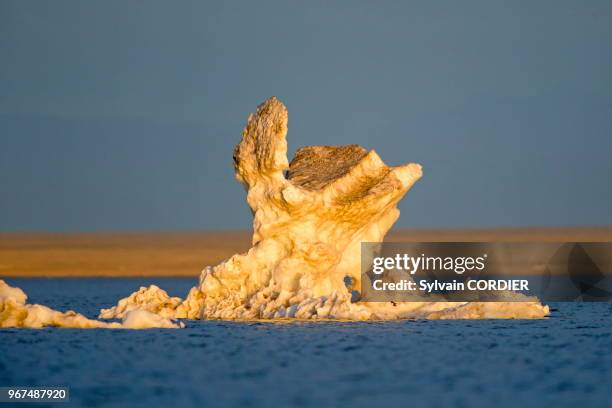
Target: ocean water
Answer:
[[561, 361]]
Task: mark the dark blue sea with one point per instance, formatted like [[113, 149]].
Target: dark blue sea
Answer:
[[565, 360]]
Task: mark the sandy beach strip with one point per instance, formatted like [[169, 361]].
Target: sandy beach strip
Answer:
[[187, 253]]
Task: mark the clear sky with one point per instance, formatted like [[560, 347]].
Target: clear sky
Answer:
[[122, 115]]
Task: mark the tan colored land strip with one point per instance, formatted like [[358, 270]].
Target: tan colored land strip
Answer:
[[121, 254], [186, 254], [574, 234]]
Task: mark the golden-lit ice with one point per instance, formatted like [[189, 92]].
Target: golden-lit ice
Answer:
[[15, 312], [310, 217]]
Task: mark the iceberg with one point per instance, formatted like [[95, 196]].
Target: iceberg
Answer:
[[310, 216]]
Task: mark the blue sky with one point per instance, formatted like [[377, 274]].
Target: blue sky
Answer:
[[122, 115]]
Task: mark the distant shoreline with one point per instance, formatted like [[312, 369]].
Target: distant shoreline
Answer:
[[176, 254]]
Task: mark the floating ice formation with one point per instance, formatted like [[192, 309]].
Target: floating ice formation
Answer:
[[152, 299], [310, 217], [15, 312]]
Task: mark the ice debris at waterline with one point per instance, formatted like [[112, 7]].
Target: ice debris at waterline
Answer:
[[310, 217], [15, 312]]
